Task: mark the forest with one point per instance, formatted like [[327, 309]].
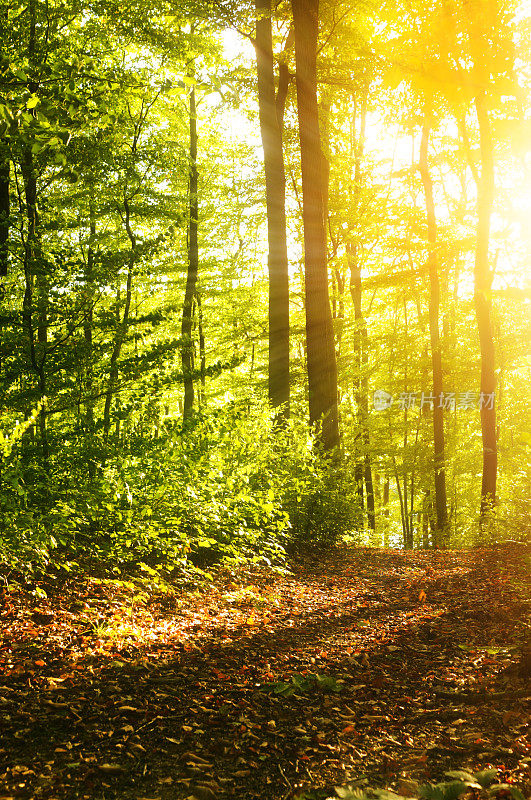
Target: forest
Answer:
[[264, 325]]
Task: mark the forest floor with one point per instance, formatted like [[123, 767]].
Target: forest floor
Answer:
[[382, 666]]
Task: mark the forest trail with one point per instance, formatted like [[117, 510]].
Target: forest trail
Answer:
[[376, 665]]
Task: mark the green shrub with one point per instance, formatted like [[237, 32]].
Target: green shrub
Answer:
[[323, 505], [232, 485], [481, 785]]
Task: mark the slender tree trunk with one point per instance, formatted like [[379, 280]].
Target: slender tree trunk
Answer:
[[35, 303], [88, 318], [363, 467], [4, 211], [478, 32], [122, 325], [403, 505], [426, 506], [271, 108], [202, 346], [36, 280], [42, 339], [4, 229], [5, 168], [322, 369], [187, 353], [385, 511], [436, 355], [483, 306], [402, 494]]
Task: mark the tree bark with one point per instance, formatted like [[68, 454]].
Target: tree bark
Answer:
[[122, 325], [4, 214], [36, 280], [363, 467], [436, 355], [36, 292], [187, 353], [202, 347], [88, 321], [483, 306], [479, 30], [88, 317], [271, 108], [5, 169], [4, 230], [322, 369], [385, 511]]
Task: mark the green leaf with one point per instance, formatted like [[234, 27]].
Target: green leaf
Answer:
[[485, 777], [431, 791], [349, 794], [453, 790], [516, 793], [463, 775], [506, 787], [328, 684], [386, 794]]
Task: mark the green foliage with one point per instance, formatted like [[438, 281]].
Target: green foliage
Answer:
[[304, 684], [94, 126], [482, 782], [7, 442], [323, 505], [231, 485]]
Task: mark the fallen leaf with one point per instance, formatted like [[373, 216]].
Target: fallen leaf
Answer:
[[111, 769]]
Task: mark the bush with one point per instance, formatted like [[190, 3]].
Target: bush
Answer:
[[232, 485], [323, 506]]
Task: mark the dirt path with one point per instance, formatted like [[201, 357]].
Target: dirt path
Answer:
[[370, 665]]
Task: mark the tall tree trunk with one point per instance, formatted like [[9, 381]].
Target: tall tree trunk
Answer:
[[478, 33], [36, 279], [88, 320], [202, 347], [402, 499], [426, 513], [324, 128], [122, 324], [322, 368], [385, 511], [4, 211], [436, 355], [187, 353], [402, 493], [483, 306], [271, 108], [5, 166], [88, 316], [36, 292], [363, 466], [4, 228]]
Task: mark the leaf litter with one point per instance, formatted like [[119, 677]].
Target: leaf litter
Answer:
[[377, 667]]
